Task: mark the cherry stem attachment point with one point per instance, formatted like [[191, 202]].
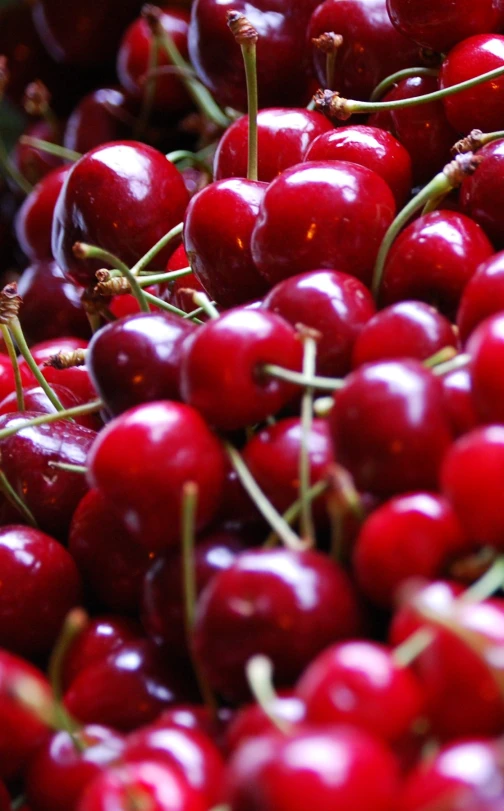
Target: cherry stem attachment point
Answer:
[[475, 140], [246, 36], [83, 251], [259, 670], [398, 76], [329, 43]]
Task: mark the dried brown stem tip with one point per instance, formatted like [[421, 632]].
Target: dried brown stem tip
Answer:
[[331, 105], [329, 42], [470, 143], [4, 74], [67, 360], [152, 16], [10, 303], [117, 286], [242, 30], [36, 99], [461, 167]]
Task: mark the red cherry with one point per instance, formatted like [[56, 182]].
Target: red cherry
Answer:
[[325, 214], [251, 721], [35, 399], [458, 401], [104, 115], [7, 383], [76, 378], [182, 288], [480, 193], [33, 163], [34, 219], [486, 348], [123, 197], [483, 295], [52, 306]]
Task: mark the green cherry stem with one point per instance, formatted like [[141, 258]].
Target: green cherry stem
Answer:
[[299, 379], [475, 140], [83, 251], [246, 36], [309, 359], [11, 350], [391, 80], [80, 469], [55, 416], [75, 622], [160, 278], [12, 171], [17, 334], [446, 354], [202, 300], [259, 670], [329, 43], [458, 362], [180, 155], [62, 152], [170, 308], [293, 512], [16, 501], [165, 240]]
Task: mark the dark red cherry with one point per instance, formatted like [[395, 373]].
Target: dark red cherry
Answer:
[[441, 26], [126, 304], [483, 295], [128, 688], [104, 115], [286, 605], [35, 399], [415, 535], [472, 477], [112, 563], [175, 447], [477, 108], [389, 427], [133, 58], [408, 329], [480, 193], [137, 359], [58, 773], [359, 683], [322, 214], [338, 767], [335, 304], [217, 232], [40, 584], [371, 147], [282, 50], [7, 383], [221, 368], [52, 305], [101, 636], [33, 163], [34, 219], [458, 401], [123, 197], [76, 378], [372, 49], [251, 721], [284, 134], [486, 348]]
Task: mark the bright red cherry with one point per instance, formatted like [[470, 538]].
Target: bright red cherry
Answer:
[[322, 214], [284, 134], [486, 348], [123, 197], [371, 147], [181, 290], [389, 427], [34, 219], [142, 460], [335, 304], [104, 115], [287, 605], [101, 636], [52, 306], [7, 383], [480, 193], [458, 401], [35, 399], [76, 378], [483, 295], [251, 721]]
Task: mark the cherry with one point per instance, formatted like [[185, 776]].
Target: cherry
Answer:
[[409, 329], [433, 259], [137, 359], [33, 221], [415, 535], [52, 306], [145, 197], [322, 214], [478, 107], [33, 163], [479, 194], [126, 304], [340, 767], [336, 304], [182, 289], [7, 383], [259, 605], [389, 427], [486, 348], [483, 295], [59, 772], [371, 147], [440, 27], [217, 232], [111, 562], [284, 134], [251, 720], [133, 56], [104, 115], [458, 401], [127, 688], [359, 683], [35, 399], [175, 447], [75, 378]]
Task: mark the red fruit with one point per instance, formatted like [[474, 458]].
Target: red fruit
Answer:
[[35, 399], [34, 219], [486, 348], [483, 295], [104, 115], [7, 383], [459, 402], [76, 378], [480, 194], [33, 163], [52, 306], [251, 721]]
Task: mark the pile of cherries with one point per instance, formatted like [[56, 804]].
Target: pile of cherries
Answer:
[[252, 406]]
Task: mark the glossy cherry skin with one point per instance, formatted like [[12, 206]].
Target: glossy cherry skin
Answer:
[[337, 767], [259, 605], [122, 196], [480, 193], [486, 348], [40, 586], [408, 329], [459, 402], [284, 134], [127, 688], [335, 304], [433, 260], [7, 383], [35, 399], [447, 781], [52, 305], [101, 636], [389, 427], [424, 131], [371, 147], [483, 295], [58, 773], [359, 683], [322, 214], [34, 219], [106, 114], [170, 94], [175, 447], [372, 49], [137, 359], [76, 378], [221, 367], [21, 732], [217, 232], [282, 51], [415, 535], [50, 493], [477, 107]]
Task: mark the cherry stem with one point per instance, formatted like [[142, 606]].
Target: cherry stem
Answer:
[[449, 178], [15, 366], [309, 361], [446, 354], [329, 43], [69, 155], [65, 414], [84, 251], [16, 501], [12, 171], [300, 379], [192, 158], [475, 140], [294, 511], [246, 36], [458, 362], [434, 203], [149, 88], [202, 300], [343, 499], [288, 537], [74, 624], [159, 278], [81, 469], [170, 308], [17, 333], [398, 76], [259, 670], [165, 240]]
